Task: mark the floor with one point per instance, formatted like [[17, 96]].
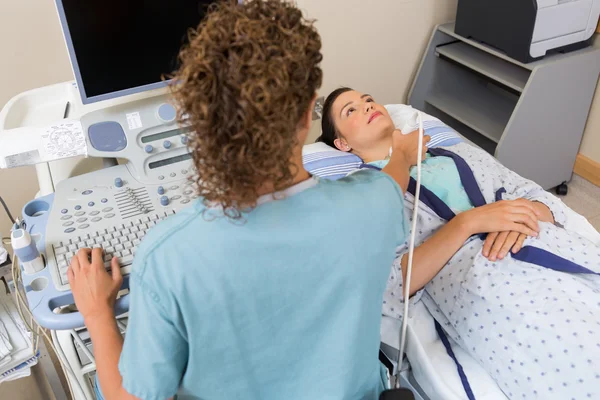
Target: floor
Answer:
[[583, 197]]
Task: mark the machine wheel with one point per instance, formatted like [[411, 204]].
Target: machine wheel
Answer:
[[562, 189]]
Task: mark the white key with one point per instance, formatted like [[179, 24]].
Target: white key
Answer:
[[64, 279], [154, 217], [126, 260], [60, 250], [108, 237], [119, 247], [115, 241], [131, 237], [73, 248], [117, 234], [135, 229], [61, 257], [125, 231], [109, 249], [97, 246], [128, 245], [62, 265], [105, 244], [137, 242], [70, 255], [125, 252], [111, 229], [90, 242]]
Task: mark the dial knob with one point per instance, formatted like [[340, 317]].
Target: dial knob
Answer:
[[184, 140], [118, 182], [164, 201], [167, 144], [149, 148], [161, 190]]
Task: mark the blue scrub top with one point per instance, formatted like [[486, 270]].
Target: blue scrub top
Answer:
[[285, 304]]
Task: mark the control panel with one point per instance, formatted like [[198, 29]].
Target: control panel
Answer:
[[115, 207]]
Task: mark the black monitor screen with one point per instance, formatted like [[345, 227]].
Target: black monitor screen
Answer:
[[119, 45]]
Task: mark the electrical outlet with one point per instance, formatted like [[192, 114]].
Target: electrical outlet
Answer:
[[318, 110]]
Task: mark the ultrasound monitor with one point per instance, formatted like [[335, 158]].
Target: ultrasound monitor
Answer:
[[121, 47]]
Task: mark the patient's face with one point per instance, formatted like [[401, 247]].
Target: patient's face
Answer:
[[361, 122]]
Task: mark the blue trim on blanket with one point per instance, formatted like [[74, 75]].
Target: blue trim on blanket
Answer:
[[544, 258], [459, 368]]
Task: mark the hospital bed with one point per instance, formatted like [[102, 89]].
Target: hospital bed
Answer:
[[428, 369], [431, 371]]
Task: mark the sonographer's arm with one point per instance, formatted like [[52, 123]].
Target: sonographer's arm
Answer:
[[404, 155], [95, 293]]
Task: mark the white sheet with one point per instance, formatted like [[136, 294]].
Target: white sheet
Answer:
[[433, 369]]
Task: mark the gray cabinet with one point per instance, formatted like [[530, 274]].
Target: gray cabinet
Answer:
[[530, 116]]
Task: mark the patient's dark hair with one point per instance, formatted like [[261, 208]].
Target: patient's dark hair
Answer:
[[328, 130]]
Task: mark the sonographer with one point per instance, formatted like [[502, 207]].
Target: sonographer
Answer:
[[270, 286]]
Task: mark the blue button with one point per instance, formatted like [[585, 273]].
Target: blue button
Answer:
[[164, 201], [167, 144], [149, 148], [161, 190], [78, 207], [91, 204], [118, 182], [87, 192], [104, 200], [167, 113], [184, 140], [69, 230], [64, 211]]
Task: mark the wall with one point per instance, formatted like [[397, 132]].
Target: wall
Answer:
[[590, 146], [373, 46], [33, 55]]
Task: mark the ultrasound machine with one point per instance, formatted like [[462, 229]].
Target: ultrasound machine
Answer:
[[121, 52]]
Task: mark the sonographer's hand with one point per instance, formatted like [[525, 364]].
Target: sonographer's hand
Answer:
[[409, 145], [94, 289]]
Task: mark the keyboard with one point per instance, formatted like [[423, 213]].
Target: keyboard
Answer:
[[121, 241]]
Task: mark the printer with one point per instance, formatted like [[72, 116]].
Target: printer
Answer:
[[527, 29]]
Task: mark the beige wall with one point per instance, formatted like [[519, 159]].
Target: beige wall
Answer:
[[373, 46], [590, 146]]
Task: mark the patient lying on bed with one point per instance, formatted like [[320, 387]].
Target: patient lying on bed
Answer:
[[523, 300]]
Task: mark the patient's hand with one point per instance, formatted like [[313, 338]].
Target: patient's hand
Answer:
[[498, 244], [545, 214]]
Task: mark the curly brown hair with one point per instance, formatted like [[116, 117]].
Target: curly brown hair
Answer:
[[246, 79]]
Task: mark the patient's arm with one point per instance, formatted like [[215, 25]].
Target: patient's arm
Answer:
[[430, 257]]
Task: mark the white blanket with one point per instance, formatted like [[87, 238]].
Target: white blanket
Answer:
[[431, 366]]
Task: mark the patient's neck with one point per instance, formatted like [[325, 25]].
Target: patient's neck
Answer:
[[377, 151]]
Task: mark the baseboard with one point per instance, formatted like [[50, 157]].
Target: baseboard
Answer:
[[588, 169]]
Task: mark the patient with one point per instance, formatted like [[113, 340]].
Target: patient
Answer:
[[525, 299]]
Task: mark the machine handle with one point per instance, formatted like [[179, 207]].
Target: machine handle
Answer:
[[44, 315]]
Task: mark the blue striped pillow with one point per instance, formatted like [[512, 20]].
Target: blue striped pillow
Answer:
[[329, 163]]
